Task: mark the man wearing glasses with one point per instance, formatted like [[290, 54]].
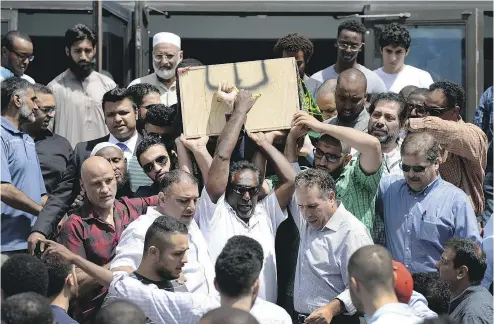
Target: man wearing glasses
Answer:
[[350, 42], [166, 56], [466, 145], [53, 150], [17, 52], [422, 211]]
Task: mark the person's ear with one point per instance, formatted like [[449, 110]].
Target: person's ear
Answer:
[[332, 195], [216, 284], [456, 110], [67, 51], [5, 51], [161, 197], [81, 183], [406, 53], [353, 284], [181, 55], [462, 272], [154, 253], [17, 101], [255, 290]]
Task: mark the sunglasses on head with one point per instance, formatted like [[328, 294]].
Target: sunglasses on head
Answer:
[[415, 168], [162, 160], [241, 190]]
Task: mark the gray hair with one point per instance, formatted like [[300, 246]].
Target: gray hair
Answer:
[[175, 176], [321, 179], [421, 143]]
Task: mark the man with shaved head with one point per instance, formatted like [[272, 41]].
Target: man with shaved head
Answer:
[[94, 232], [371, 282], [228, 315], [350, 96], [120, 312], [325, 98]]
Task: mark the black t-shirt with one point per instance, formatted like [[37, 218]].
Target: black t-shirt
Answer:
[[169, 285]]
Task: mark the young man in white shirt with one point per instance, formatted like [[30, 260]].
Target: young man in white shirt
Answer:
[[177, 198], [372, 287], [395, 43]]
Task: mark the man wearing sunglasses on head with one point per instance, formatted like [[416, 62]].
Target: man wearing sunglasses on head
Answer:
[[465, 159], [17, 52], [53, 150], [350, 41], [422, 211]]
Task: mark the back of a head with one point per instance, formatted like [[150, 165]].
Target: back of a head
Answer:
[[228, 315], [419, 144], [454, 93], [417, 91], [24, 273], [407, 90], [434, 289], [140, 90], [159, 230], [328, 87], [58, 271], [189, 62], [27, 308], [372, 267], [120, 312], [11, 87], [351, 77], [238, 266], [161, 115]]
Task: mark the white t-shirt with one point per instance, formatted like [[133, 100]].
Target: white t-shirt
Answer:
[[408, 76], [269, 313]]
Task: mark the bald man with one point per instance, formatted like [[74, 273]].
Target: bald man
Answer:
[[325, 99], [371, 283], [93, 231], [350, 96], [120, 312], [228, 315]]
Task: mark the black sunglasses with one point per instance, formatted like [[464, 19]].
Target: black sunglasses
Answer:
[[415, 168], [437, 111], [162, 160], [330, 157], [241, 190], [419, 108]]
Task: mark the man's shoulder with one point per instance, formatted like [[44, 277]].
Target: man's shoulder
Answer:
[[61, 140], [58, 80], [324, 74], [87, 146], [368, 73], [264, 311], [145, 79]]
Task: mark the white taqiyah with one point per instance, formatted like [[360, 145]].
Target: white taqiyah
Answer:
[[165, 37], [102, 146]]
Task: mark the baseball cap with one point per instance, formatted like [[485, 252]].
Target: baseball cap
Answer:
[[403, 282]]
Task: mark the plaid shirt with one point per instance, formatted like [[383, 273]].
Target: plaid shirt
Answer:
[[95, 240], [465, 158]]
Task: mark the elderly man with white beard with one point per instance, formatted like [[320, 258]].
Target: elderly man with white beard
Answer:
[[166, 56]]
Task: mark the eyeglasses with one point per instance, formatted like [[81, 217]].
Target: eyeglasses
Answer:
[[352, 47], [158, 57], [22, 56], [419, 108], [161, 160], [241, 190], [415, 168], [437, 111], [47, 110], [330, 157]]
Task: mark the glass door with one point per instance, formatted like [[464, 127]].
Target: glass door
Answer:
[[444, 43]]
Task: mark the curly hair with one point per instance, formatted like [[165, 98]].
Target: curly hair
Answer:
[[455, 94], [294, 43], [24, 273], [27, 308], [396, 35], [161, 115], [238, 266], [352, 25]]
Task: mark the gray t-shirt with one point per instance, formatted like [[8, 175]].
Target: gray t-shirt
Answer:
[[374, 83], [361, 122]]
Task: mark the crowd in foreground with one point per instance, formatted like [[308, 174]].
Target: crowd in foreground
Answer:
[[374, 207]]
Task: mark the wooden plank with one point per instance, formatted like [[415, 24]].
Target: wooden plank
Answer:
[[276, 80]]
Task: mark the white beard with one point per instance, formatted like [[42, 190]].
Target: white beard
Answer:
[[26, 113], [164, 73]]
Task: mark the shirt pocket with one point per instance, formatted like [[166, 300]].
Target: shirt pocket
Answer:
[[429, 228]]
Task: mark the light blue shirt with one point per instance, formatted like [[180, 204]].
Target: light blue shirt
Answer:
[[488, 247], [20, 167], [418, 225], [394, 313], [6, 73]]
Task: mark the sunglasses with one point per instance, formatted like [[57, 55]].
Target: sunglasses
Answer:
[[415, 168], [329, 156], [419, 108], [241, 190], [161, 160], [437, 111]]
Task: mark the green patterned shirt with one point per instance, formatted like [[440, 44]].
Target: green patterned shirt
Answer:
[[308, 102]]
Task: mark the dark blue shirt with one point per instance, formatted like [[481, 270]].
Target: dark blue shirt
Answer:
[[20, 167], [60, 316]]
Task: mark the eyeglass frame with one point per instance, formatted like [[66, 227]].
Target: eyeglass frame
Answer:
[[47, 110], [415, 168], [164, 55], [345, 46], [22, 57], [150, 165], [333, 158], [251, 190], [437, 111]]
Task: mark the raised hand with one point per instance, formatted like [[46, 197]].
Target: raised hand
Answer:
[[244, 101]]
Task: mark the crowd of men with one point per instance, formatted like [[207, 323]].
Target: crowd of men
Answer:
[[375, 207]]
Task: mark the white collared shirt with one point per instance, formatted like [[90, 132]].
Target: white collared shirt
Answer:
[[198, 270], [269, 313], [322, 264], [6, 73], [394, 313], [131, 144], [168, 96], [219, 222], [159, 305]]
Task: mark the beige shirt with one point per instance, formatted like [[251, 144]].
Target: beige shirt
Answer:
[[168, 96], [79, 114]]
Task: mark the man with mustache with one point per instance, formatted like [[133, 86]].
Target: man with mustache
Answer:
[[17, 52], [166, 56], [53, 150], [22, 185], [79, 90]]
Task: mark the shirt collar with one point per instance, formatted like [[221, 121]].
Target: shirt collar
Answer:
[[46, 133], [172, 87], [130, 143], [335, 221], [398, 308], [427, 189], [87, 211], [253, 220], [7, 125]]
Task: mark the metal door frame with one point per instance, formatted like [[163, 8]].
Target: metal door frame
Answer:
[[472, 18], [11, 17]]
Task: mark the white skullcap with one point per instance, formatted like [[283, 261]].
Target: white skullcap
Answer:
[[165, 37], [102, 146]]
